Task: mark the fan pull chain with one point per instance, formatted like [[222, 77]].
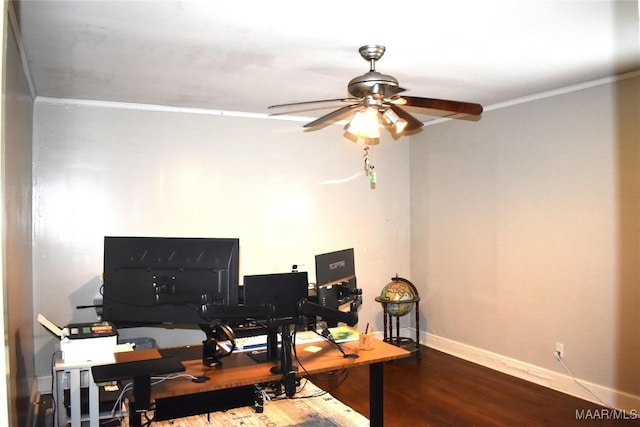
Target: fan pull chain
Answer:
[[368, 166]]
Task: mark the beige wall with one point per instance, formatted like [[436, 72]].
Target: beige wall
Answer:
[[287, 194], [17, 238], [525, 231]]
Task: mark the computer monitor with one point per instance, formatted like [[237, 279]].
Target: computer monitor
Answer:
[[335, 277], [166, 280], [282, 291]]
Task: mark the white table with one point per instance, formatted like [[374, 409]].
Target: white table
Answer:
[[76, 376]]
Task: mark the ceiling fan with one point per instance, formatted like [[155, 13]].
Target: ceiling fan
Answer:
[[374, 94]]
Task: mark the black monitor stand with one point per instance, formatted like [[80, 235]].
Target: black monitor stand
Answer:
[[217, 330], [284, 354], [286, 368]]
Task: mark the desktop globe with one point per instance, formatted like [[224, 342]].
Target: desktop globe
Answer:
[[393, 294]]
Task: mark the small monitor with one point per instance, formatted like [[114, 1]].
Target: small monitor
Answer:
[[283, 291], [335, 277], [335, 267]]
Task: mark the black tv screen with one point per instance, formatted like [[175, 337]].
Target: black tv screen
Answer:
[[335, 277], [156, 280], [283, 291], [335, 267]]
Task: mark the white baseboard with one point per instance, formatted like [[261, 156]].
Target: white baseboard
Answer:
[[551, 379]]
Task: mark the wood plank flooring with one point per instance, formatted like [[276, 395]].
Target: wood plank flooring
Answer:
[[442, 390]]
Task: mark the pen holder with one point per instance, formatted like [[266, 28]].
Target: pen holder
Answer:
[[365, 342]]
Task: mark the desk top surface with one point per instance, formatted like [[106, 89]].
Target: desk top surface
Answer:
[[240, 369]]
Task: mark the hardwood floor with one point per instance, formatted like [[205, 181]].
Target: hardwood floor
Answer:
[[442, 390]]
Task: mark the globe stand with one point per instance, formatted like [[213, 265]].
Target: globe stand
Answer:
[[404, 342]]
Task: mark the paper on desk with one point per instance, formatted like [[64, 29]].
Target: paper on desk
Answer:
[[127, 346], [312, 348], [49, 325], [340, 333]]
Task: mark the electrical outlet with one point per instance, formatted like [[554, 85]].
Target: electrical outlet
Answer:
[[559, 350]]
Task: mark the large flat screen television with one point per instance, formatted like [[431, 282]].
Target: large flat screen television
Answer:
[[168, 280]]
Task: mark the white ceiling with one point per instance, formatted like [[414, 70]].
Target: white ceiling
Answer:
[[243, 56]]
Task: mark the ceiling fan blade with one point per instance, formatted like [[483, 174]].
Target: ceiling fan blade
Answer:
[[316, 102], [443, 104], [412, 122], [332, 116]]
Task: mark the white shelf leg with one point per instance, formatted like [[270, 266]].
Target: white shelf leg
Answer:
[[74, 390], [94, 402]]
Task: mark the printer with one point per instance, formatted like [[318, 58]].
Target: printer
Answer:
[[85, 342]]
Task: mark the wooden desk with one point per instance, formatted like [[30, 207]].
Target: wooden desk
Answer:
[[240, 370]]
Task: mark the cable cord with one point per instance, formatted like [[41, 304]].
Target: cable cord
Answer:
[[341, 378], [326, 335], [155, 380], [582, 385], [54, 386]]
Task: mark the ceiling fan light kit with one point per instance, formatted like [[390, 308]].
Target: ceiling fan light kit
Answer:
[[396, 121], [365, 124]]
